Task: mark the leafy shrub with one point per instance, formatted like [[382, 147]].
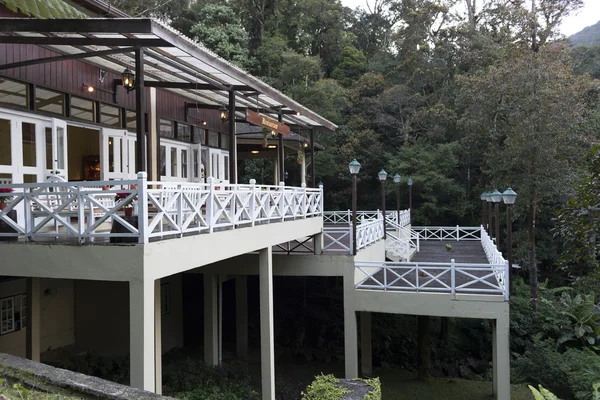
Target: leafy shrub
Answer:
[[324, 387]]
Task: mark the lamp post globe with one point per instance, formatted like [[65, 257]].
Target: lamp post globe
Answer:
[[382, 175], [354, 167], [509, 196]]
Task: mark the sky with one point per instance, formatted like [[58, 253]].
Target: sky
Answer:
[[588, 15]]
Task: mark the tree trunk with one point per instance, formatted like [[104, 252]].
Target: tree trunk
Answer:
[[424, 340], [533, 272], [471, 6]]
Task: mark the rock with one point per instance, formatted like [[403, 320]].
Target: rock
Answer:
[[465, 371], [479, 366]]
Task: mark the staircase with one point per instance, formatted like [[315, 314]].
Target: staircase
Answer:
[[402, 242]]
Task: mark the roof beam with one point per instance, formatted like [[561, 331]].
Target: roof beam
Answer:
[[93, 41], [90, 25], [64, 58]]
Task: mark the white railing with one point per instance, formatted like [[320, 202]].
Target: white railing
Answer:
[[448, 233], [432, 277], [79, 210], [369, 232], [337, 240], [345, 217], [398, 247]]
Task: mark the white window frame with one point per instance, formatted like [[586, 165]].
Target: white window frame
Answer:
[[10, 316]]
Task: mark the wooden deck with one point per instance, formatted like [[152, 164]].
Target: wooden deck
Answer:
[[462, 252]]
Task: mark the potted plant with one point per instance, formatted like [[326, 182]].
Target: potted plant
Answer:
[[300, 157], [5, 199], [127, 206], [265, 133]]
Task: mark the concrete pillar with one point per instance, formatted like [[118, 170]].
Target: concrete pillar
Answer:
[[211, 321], [153, 139], [157, 338], [241, 315], [366, 350], [318, 240], [350, 328], [141, 334], [34, 317], [267, 346], [501, 363], [303, 168]]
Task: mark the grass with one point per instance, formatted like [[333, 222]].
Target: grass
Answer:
[[14, 390]]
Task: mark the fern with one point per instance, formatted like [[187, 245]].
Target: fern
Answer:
[[542, 394]]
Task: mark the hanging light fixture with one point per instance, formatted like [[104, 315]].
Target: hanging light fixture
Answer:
[[128, 79], [224, 114], [88, 88]]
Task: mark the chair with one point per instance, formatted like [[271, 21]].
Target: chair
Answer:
[[5, 181]]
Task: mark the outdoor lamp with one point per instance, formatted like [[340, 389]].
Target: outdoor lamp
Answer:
[[509, 196], [321, 183], [397, 178], [354, 167], [382, 175], [496, 196], [488, 197], [128, 79], [483, 196], [410, 181], [224, 114]]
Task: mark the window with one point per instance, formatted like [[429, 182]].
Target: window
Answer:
[[13, 93], [5, 154], [110, 115], [225, 141], [226, 167], [131, 121], [163, 161], [49, 163], [184, 163], [13, 313], [184, 132], [165, 299], [195, 164], [28, 139], [49, 101], [199, 135], [166, 129], [213, 139], [173, 161], [83, 109]]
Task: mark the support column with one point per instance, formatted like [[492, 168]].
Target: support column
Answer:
[[153, 140], [157, 338], [313, 168], [241, 315], [232, 140], [211, 320], [276, 170], [281, 152], [303, 168], [350, 328], [366, 350], [141, 334], [140, 110], [32, 345], [501, 362], [494, 359], [267, 346], [318, 242]]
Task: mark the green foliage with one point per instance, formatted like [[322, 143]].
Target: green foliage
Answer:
[[542, 394], [112, 369], [324, 387], [352, 65], [375, 393], [43, 8]]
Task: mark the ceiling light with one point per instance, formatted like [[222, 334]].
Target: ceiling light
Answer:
[[254, 152], [272, 146], [88, 88]]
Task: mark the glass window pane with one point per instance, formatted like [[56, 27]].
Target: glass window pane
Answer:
[[199, 135], [49, 101], [131, 122], [184, 164], [163, 161], [166, 129], [30, 178], [195, 164], [226, 167], [49, 148], [173, 161], [29, 153], [5, 154], [225, 141], [60, 147], [83, 109], [213, 139], [110, 115], [14, 93], [204, 160], [111, 154], [184, 132]]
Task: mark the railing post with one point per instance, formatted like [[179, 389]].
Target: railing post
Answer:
[[457, 233], [506, 281], [452, 276], [384, 277], [304, 212], [417, 277], [418, 241], [80, 213], [252, 203], [142, 188], [322, 202], [180, 209], [282, 200], [210, 204], [29, 222]]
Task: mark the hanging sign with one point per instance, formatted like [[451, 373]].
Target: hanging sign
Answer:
[[266, 122]]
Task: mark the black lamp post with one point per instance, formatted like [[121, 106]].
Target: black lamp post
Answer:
[[496, 199], [509, 197], [382, 177], [410, 182], [354, 167], [397, 182], [488, 198], [483, 216]]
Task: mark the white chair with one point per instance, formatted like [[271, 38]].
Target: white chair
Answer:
[[5, 181]]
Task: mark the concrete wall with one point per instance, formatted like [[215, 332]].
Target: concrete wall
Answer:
[[102, 316]]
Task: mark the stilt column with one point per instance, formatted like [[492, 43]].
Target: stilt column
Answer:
[[211, 320], [141, 334], [501, 358], [157, 338], [267, 346], [350, 328]]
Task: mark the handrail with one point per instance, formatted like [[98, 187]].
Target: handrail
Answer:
[[456, 233], [369, 232], [164, 209]]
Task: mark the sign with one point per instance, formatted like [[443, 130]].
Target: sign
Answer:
[[266, 122]]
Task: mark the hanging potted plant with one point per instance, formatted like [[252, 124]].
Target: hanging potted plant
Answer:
[[300, 157], [265, 133], [5, 199]]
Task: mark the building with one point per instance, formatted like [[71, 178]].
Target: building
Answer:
[[119, 170]]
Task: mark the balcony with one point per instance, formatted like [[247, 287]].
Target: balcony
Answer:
[[141, 211]]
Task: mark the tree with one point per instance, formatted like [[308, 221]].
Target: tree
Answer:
[[353, 64], [531, 109], [221, 32], [161, 9]]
